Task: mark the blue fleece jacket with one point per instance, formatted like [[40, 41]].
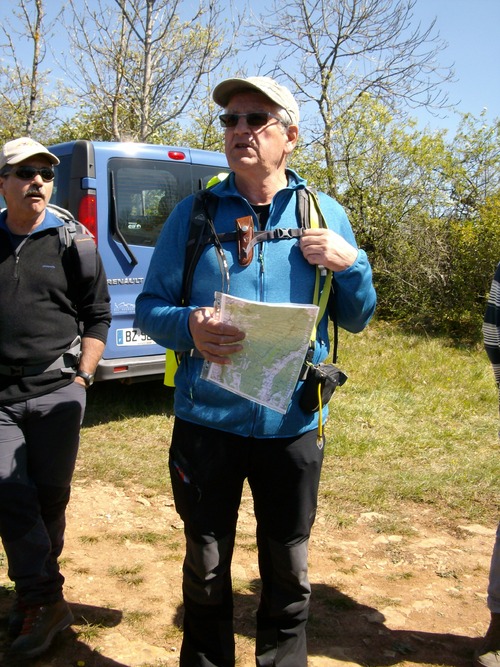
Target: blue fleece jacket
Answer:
[[278, 273]]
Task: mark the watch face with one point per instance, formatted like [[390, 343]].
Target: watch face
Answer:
[[88, 377]]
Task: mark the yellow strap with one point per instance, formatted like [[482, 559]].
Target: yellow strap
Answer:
[[320, 410], [320, 440], [171, 366], [315, 216]]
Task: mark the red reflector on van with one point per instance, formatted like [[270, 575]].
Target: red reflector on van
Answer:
[[87, 213], [120, 369], [176, 155]]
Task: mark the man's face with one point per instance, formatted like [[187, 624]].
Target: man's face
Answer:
[[261, 149], [26, 199]]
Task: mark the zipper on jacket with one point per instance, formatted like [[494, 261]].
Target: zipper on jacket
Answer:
[[261, 276], [16, 268], [17, 252]]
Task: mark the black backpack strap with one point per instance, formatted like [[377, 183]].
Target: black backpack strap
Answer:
[[202, 213], [87, 254], [74, 235], [303, 208]]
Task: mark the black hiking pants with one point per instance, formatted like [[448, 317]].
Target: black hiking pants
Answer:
[[208, 469]]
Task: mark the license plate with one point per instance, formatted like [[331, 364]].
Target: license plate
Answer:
[[132, 336]]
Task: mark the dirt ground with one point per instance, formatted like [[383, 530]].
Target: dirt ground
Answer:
[[379, 599]]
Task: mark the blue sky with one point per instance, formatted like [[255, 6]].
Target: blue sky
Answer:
[[471, 28]]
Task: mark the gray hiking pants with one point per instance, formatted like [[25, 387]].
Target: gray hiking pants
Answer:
[[39, 441]]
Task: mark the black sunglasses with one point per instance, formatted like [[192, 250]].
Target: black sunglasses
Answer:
[[254, 119], [27, 173]]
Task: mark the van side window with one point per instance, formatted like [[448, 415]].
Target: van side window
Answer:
[[146, 192]]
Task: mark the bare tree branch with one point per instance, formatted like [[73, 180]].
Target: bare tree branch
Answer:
[[25, 105], [335, 51], [140, 64]]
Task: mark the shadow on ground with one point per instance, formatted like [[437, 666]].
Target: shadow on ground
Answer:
[[339, 628], [344, 630], [107, 401], [67, 650]]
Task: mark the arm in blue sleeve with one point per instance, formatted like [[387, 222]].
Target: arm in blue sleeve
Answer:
[[158, 309], [354, 294]]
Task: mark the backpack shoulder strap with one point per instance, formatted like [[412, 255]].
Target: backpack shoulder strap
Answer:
[[303, 205], [72, 234], [202, 212], [313, 217], [87, 254]]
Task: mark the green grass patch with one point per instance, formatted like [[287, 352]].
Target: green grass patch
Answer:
[[146, 537], [128, 575]]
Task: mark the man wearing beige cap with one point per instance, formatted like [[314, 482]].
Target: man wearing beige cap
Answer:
[[222, 438], [53, 328]]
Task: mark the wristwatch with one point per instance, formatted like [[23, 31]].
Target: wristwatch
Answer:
[[88, 378]]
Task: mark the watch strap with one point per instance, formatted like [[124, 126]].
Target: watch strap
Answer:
[[87, 377]]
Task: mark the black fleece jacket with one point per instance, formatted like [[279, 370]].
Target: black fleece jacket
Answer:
[[43, 307]]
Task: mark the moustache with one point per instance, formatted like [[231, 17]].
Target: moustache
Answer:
[[34, 192]]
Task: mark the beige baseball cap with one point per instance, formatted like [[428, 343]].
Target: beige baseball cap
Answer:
[[277, 93], [17, 150]]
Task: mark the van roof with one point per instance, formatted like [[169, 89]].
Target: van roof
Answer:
[[147, 151]]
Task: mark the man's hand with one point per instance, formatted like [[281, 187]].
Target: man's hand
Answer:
[[327, 248], [214, 339]]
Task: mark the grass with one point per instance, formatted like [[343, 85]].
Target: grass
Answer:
[[146, 537], [130, 575], [137, 619], [416, 423], [90, 632]]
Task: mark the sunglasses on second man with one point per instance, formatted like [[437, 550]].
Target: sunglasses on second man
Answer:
[[27, 173], [253, 119]]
